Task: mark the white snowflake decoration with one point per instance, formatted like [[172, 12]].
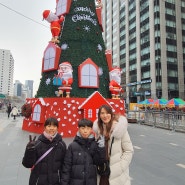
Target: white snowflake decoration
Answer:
[[86, 28], [64, 46], [48, 80], [55, 103], [99, 47]]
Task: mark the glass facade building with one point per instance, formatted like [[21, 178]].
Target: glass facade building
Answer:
[[147, 39]]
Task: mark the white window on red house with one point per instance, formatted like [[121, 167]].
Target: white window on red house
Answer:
[[51, 57], [62, 7], [89, 113], [36, 113], [88, 74]]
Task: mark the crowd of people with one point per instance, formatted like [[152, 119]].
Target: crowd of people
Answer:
[[100, 153]]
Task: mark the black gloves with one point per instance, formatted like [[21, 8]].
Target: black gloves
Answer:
[[31, 144]]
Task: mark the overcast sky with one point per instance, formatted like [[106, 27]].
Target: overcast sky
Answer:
[[25, 38]]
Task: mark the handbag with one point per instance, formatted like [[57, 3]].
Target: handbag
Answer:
[[104, 169]]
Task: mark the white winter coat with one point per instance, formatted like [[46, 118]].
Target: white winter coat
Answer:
[[121, 153], [14, 111]]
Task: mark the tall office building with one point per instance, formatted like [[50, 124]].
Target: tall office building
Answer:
[[111, 25], [18, 88], [6, 72], [150, 48], [29, 86]]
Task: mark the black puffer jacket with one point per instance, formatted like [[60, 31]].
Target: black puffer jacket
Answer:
[[80, 162], [47, 171]]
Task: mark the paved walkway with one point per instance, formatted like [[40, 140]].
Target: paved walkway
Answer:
[[158, 156], [12, 143]]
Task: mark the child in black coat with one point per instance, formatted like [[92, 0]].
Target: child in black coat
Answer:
[[45, 155], [82, 157]]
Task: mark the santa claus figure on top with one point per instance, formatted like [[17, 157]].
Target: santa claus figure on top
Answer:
[[65, 73], [115, 81], [55, 24]]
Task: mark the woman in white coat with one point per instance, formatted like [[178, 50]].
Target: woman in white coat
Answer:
[[14, 112], [119, 146]]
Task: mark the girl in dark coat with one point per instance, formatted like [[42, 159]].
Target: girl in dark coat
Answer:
[[82, 156], [48, 170]]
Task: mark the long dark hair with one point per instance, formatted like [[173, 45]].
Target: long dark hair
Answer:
[[100, 122]]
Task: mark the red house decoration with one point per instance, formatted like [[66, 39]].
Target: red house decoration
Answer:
[[62, 7], [68, 112], [91, 105], [51, 57], [88, 74]]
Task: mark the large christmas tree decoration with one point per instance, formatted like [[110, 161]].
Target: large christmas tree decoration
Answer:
[[75, 79]]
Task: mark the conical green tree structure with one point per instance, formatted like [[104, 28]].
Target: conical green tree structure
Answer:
[[81, 38]]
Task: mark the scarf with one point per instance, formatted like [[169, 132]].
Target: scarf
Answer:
[[48, 136]]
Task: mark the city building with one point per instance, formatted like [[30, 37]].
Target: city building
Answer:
[[23, 90], [17, 88], [147, 39], [6, 72], [29, 87]]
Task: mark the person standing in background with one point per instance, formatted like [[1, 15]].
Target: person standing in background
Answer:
[[119, 148], [9, 109], [14, 112]]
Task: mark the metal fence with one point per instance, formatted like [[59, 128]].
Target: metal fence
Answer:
[[172, 120]]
